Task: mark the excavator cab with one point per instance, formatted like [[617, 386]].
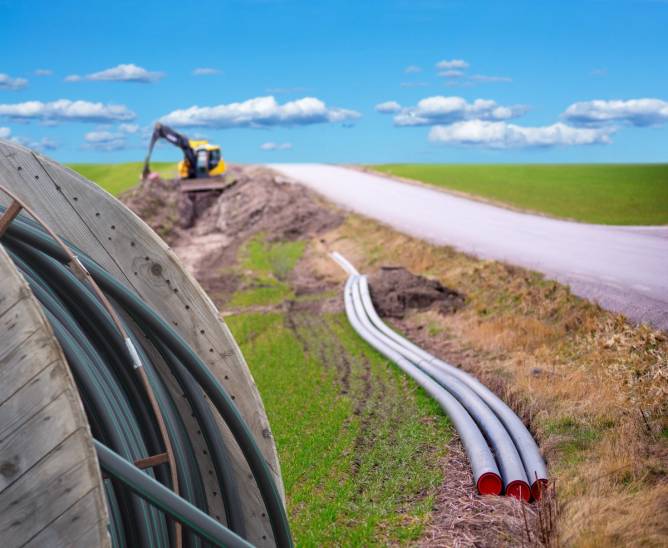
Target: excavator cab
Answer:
[[208, 161]]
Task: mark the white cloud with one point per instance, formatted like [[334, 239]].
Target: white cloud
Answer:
[[65, 110], [206, 71], [13, 84], [451, 74], [388, 107], [412, 69], [414, 84], [635, 112], [260, 112], [5, 132], [120, 73], [129, 128], [104, 140], [447, 110], [43, 72], [448, 64], [42, 144], [482, 78], [500, 135], [276, 146]]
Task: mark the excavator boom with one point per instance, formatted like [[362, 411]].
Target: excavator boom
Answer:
[[165, 132]]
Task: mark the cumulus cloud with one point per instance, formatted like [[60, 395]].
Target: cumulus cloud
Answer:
[[276, 146], [41, 144], [65, 110], [129, 128], [5, 132], [120, 73], [43, 72], [388, 107], [412, 69], [447, 110], [500, 135], [414, 84], [104, 141], [482, 78], [13, 84], [260, 112], [451, 74], [206, 71], [448, 64], [635, 112]]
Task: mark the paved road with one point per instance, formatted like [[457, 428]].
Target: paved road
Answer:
[[624, 269]]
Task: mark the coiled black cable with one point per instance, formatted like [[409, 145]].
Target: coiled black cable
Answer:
[[118, 413]]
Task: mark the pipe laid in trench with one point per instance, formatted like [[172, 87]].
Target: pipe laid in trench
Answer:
[[485, 471], [505, 452], [534, 464], [516, 452]]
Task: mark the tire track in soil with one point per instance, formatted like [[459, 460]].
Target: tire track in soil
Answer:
[[354, 376]]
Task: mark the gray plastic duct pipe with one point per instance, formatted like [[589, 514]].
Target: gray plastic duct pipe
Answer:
[[534, 465], [505, 452], [483, 465]]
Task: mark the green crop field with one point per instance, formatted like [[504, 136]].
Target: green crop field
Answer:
[[624, 194], [117, 178]]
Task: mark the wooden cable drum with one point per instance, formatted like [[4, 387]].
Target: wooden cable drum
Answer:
[[110, 234]]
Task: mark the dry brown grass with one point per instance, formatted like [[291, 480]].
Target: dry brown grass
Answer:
[[593, 387]]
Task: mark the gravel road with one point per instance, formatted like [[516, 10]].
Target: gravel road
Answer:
[[624, 269]]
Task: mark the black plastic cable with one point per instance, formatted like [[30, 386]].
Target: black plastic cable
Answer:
[[44, 258], [163, 498], [144, 315]]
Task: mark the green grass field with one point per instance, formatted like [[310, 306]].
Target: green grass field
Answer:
[[117, 178], [359, 443], [625, 194]]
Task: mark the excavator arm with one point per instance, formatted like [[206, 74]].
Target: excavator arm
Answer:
[[164, 132]]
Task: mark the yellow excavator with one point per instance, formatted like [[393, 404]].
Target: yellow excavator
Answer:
[[201, 159]]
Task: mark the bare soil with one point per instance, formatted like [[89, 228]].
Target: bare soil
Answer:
[[394, 291], [208, 230]]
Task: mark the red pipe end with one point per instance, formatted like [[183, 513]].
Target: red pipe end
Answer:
[[538, 488], [489, 484], [519, 489]]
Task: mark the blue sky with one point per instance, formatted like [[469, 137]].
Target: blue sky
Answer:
[[461, 81]]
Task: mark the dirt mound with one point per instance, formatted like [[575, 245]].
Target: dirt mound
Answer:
[[395, 290], [156, 202], [206, 229]]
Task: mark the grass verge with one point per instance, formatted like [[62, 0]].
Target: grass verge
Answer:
[[593, 387], [624, 194]]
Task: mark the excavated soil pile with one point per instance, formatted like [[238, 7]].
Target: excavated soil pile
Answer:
[[395, 291], [206, 229], [156, 202]]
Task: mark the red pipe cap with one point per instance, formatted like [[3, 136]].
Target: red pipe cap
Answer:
[[489, 484], [519, 489], [538, 488]]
